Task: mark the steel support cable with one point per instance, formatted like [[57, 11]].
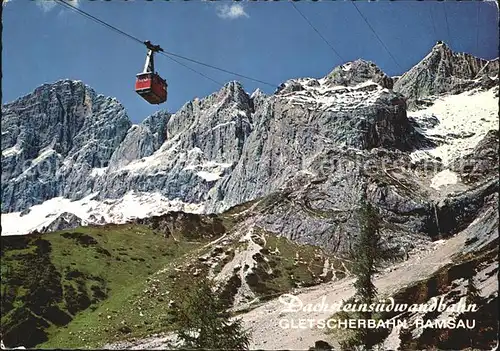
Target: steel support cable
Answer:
[[317, 31], [219, 69], [164, 53], [446, 20], [433, 22], [477, 26], [375, 33]]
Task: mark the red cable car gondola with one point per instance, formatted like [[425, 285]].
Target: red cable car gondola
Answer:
[[149, 84]]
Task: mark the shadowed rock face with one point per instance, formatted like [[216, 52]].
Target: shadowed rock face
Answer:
[[443, 71], [482, 163]]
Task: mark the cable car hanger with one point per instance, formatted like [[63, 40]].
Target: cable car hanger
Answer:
[[149, 66]]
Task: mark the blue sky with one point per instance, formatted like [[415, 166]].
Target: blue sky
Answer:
[[270, 41]]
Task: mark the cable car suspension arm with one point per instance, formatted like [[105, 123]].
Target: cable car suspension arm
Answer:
[[149, 66]]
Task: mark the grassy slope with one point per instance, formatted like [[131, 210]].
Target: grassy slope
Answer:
[[87, 277], [94, 285]]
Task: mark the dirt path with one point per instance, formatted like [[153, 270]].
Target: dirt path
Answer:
[[264, 320]]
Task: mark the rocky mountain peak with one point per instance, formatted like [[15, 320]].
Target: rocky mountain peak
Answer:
[[142, 140], [233, 94], [60, 130], [257, 93], [441, 46], [224, 106], [351, 74], [232, 87], [357, 72], [444, 71]]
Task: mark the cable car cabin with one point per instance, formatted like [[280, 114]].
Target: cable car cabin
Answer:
[[151, 87], [149, 84]]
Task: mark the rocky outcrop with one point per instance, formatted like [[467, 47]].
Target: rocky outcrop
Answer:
[[482, 163], [484, 233], [204, 139], [319, 208], [65, 220], [53, 138], [304, 120], [455, 212], [476, 264], [443, 71], [321, 345], [142, 140], [357, 72]]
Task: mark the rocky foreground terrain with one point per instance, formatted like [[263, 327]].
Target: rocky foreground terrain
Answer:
[[257, 191]]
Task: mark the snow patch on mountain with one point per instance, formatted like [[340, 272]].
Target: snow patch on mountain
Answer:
[[337, 97], [132, 205], [47, 152], [208, 176], [444, 178], [12, 151], [96, 172], [464, 119]]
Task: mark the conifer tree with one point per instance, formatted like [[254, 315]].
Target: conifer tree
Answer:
[[204, 323], [367, 252], [366, 256]]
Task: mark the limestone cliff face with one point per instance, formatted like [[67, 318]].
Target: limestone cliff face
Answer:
[[315, 146], [444, 71], [65, 140], [199, 145], [141, 140], [305, 119], [53, 138]]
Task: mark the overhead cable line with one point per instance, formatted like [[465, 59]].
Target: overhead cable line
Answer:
[[477, 26], [88, 15], [317, 31], [446, 20], [218, 68], [192, 69], [119, 31], [375, 33], [164, 53], [433, 22]]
